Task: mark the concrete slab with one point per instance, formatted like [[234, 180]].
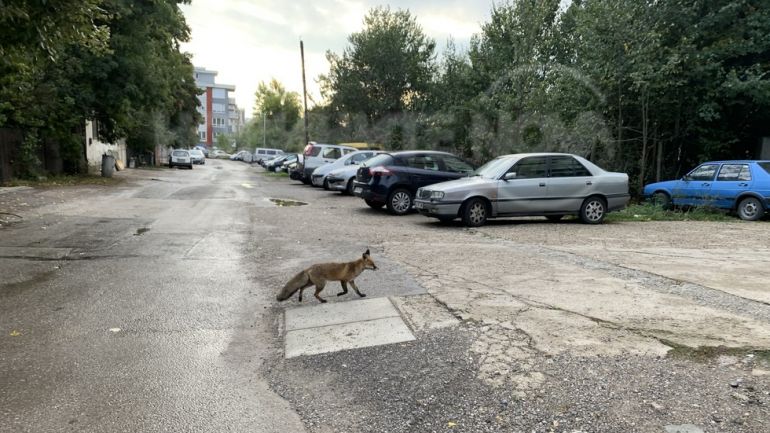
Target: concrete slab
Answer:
[[334, 338], [35, 252], [339, 313]]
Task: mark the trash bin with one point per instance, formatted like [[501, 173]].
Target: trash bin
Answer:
[[108, 165], [132, 162]]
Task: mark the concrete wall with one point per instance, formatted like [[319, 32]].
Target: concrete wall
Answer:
[[95, 149]]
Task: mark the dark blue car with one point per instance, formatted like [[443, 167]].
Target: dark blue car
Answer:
[[740, 186], [392, 179]]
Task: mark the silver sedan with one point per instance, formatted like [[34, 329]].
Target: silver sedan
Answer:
[[527, 184]]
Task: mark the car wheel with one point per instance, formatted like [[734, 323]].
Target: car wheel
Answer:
[[475, 212], [554, 218], [750, 209], [593, 210], [326, 184], [350, 187], [399, 201], [661, 199], [374, 204]]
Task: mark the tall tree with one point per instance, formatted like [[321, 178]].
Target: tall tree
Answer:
[[387, 68], [273, 101]]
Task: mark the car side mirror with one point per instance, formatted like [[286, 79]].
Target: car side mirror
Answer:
[[509, 176], [685, 177]]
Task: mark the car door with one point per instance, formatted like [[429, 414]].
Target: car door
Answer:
[[569, 183], [731, 181], [526, 192], [694, 188], [424, 169]]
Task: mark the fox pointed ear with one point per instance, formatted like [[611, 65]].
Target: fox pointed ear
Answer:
[[366, 254]]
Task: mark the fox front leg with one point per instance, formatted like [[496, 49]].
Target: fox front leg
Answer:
[[300, 294], [353, 283], [344, 288]]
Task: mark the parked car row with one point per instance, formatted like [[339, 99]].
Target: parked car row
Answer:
[[443, 186]]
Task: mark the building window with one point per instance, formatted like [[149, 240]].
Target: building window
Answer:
[[202, 135], [218, 108]]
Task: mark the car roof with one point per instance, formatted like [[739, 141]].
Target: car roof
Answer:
[[417, 152], [333, 145], [736, 161], [523, 155]]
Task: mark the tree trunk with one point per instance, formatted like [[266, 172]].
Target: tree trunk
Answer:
[[645, 122]]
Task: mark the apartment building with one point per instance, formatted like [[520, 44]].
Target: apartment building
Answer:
[[220, 113]]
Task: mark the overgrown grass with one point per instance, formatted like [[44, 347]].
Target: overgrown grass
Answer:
[[650, 212], [65, 180], [709, 353]]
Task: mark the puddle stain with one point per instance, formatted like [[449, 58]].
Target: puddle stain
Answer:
[[37, 281], [141, 231], [282, 202]]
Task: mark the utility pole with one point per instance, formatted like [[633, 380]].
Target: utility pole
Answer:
[[264, 128], [304, 87]]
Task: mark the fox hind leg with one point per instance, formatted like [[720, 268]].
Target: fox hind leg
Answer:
[[353, 283], [344, 288], [318, 288], [303, 288]]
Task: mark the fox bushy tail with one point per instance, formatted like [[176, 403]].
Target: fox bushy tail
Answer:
[[296, 283]]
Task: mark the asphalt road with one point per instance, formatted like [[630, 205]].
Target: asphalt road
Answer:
[[137, 308], [150, 306]]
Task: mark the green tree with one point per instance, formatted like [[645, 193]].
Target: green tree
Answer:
[[387, 68], [114, 61], [273, 101]]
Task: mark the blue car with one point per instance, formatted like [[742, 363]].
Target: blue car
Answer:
[[740, 186]]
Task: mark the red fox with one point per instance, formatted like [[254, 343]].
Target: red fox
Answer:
[[318, 275]]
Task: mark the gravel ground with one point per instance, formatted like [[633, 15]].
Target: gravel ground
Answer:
[[431, 385], [553, 335]]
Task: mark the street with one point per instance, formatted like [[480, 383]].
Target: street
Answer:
[[149, 306]]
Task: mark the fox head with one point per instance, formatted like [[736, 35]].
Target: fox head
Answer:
[[368, 262]]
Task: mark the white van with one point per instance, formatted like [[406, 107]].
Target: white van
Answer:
[[262, 154]]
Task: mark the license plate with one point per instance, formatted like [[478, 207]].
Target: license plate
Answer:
[[357, 190], [419, 205]]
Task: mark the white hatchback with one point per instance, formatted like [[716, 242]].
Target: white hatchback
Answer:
[[180, 158]]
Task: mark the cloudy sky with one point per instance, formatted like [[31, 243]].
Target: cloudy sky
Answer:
[[248, 41]]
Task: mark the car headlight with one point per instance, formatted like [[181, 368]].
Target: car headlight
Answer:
[[436, 195]]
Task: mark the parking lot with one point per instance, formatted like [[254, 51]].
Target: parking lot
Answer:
[[687, 299], [519, 325]]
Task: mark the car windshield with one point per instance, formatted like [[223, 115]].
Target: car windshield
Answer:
[[492, 169]]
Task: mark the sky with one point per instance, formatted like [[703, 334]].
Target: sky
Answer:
[[248, 41]]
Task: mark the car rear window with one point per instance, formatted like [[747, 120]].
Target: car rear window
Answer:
[[180, 153], [379, 160], [456, 165], [765, 165]]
